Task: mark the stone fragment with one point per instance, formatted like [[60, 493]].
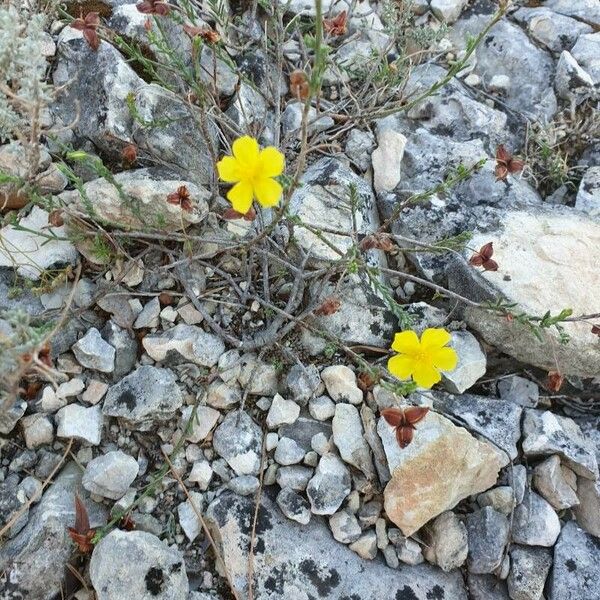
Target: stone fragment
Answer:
[[37, 430], [348, 438], [556, 483], [93, 352], [139, 563], [282, 412], [329, 486], [447, 10], [321, 408], [366, 545], [110, 475], [546, 433], [80, 423], [257, 377], [244, 485], [125, 345], [288, 452], [447, 542], [528, 571], [488, 535], [201, 474], [587, 512], [387, 160], [471, 364], [588, 195], [144, 397], [534, 522], [340, 382], [501, 499], [148, 316], [442, 465], [205, 419], [294, 506], [238, 440], [345, 527], [519, 390], [295, 477], [188, 515]]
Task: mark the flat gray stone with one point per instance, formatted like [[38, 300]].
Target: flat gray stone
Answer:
[[488, 535], [528, 571], [136, 564], [238, 440], [146, 396], [534, 522], [110, 475], [329, 486], [93, 352], [294, 561]]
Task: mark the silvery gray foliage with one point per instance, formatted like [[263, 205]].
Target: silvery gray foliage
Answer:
[[22, 66]]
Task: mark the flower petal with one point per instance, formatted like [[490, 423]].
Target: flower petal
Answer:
[[240, 196], [444, 359], [267, 191], [271, 162], [406, 342], [435, 338], [245, 149], [425, 375], [401, 366], [229, 170]]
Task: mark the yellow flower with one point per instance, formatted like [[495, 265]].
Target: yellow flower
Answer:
[[252, 170], [422, 359]]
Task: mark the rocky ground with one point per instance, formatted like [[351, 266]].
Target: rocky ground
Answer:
[[210, 409]]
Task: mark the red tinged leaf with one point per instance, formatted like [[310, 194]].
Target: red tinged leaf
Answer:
[[379, 241], [404, 421], [483, 258], [81, 534], [365, 381], [127, 523], [55, 218], [393, 416], [505, 163], [129, 154], [596, 330], [404, 436], [414, 414], [329, 307], [181, 197], [337, 25], [555, 381], [232, 215], [44, 355], [210, 36], [299, 87], [153, 7], [88, 26]]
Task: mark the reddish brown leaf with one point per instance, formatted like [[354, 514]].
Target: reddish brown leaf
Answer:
[[299, 87], [505, 163], [378, 241], [404, 436], [127, 523], [153, 7], [414, 414], [88, 27], [181, 197], [232, 215], [596, 330], [210, 36], [483, 258], [393, 416], [82, 519], [555, 381], [44, 355], [329, 306], [129, 154], [55, 218], [337, 25], [166, 299], [365, 381]]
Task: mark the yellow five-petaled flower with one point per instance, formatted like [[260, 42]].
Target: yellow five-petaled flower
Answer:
[[422, 359], [253, 171]]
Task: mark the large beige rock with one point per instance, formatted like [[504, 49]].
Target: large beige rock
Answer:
[[547, 261], [443, 464]]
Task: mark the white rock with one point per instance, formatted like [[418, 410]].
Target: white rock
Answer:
[[37, 430], [534, 522], [206, 418], [387, 160], [288, 452], [84, 424], [50, 401], [329, 486], [499, 83], [366, 545], [148, 316], [93, 352], [588, 196], [348, 436], [110, 475], [32, 253], [471, 365], [282, 412], [447, 10], [188, 517], [201, 474], [588, 511], [321, 408], [345, 527], [70, 388], [556, 483], [223, 395], [447, 544], [340, 382]]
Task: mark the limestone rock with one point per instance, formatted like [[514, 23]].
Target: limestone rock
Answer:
[[546, 433], [575, 569], [139, 563], [110, 475], [556, 483], [329, 486], [192, 343], [471, 363], [533, 247], [386, 160], [447, 542], [534, 522], [348, 437], [588, 511], [146, 396], [528, 571], [297, 561], [32, 253], [442, 465], [238, 440]]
